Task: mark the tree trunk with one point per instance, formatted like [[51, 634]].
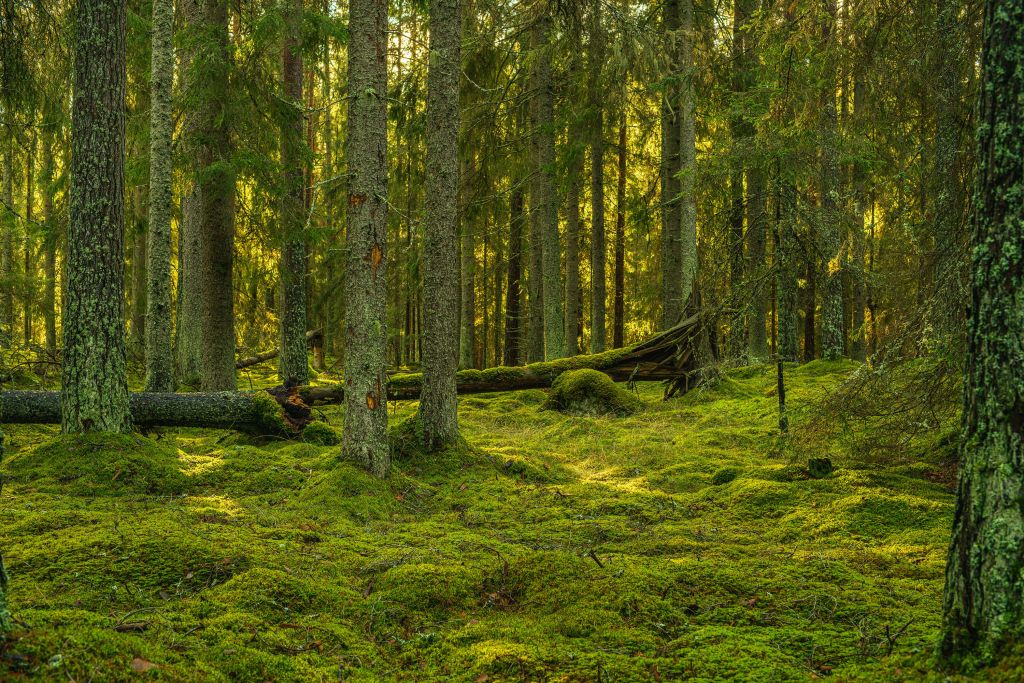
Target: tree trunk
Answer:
[[573, 302], [598, 293], [545, 205], [94, 379], [158, 350], [515, 272], [687, 158], [137, 300], [860, 198], [366, 417], [50, 242], [292, 267], [810, 308], [439, 402], [983, 607], [620, 241], [832, 294], [7, 246], [467, 316], [757, 331], [30, 264], [671, 214]]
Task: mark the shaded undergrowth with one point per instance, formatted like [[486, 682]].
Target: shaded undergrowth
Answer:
[[682, 542]]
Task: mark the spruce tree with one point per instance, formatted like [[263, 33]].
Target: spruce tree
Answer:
[[365, 298], [438, 401], [984, 595], [94, 394]]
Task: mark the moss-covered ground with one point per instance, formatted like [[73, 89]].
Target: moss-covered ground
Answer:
[[682, 542]]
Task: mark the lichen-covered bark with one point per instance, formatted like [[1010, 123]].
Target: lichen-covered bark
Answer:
[[7, 224], [598, 248], [159, 358], [94, 380], [50, 240], [829, 242], [137, 232], [439, 401], [687, 158], [366, 418], [467, 296], [573, 302], [294, 366], [671, 216], [513, 292], [544, 206], [30, 265], [619, 321], [984, 596]]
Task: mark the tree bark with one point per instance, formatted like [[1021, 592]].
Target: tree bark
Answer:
[[983, 614], [94, 378], [618, 327], [366, 418], [49, 241], [467, 277], [598, 293], [513, 294], [438, 405], [158, 349], [30, 264], [573, 302], [7, 242], [294, 364], [671, 214], [830, 243]]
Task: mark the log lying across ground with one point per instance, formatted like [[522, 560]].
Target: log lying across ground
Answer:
[[314, 338], [669, 356]]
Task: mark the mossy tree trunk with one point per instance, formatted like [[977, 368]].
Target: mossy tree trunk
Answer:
[[439, 400], [366, 418], [832, 342], [50, 238], [573, 302], [292, 271], [30, 248], [466, 248], [598, 249], [7, 224], [159, 358], [671, 217], [513, 292], [687, 159], [545, 203], [619, 322], [984, 595], [94, 379]]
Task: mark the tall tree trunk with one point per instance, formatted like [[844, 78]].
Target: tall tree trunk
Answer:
[[671, 217], [159, 359], [786, 260], [49, 241], [535, 272], [439, 401], [546, 205], [515, 273], [366, 417], [860, 198], [810, 307], [137, 301], [757, 218], [687, 157], [983, 607], [619, 323], [7, 246], [30, 264], [293, 368], [598, 293], [467, 278], [832, 293], [93, 373], [573, 302]]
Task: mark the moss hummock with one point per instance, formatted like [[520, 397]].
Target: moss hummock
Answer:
[[590, 392], [98, 464]]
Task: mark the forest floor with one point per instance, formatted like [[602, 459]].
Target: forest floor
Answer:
[[679, 543]]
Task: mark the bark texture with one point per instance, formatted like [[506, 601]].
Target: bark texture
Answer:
[[93, 373], [513, 292], [573, 302], [832, 343], [158, 349], [598, 248], [366, 417], [984, 595], [439, 401], [294, 365]]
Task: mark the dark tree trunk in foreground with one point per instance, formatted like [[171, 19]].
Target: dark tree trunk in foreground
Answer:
[[984, 596], [365, 296], [294, 366], [439, 402], [94, 380], [158, 349], [513, 293], [598, 293], [620, 243]]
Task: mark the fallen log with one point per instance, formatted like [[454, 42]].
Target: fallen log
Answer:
[[271, 412], [314, 337], [670, 356]]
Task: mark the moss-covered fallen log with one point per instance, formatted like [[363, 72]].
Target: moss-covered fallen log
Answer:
[[258, 412]]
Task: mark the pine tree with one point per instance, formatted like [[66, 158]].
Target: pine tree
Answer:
[[983, 606], [598, 249], [438, 401], [365, 297], [294, 366], [94, 382], [159, 358]]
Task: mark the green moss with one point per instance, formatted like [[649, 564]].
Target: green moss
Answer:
[[98, 464], [725, 475], [321, 434], [590, 392]]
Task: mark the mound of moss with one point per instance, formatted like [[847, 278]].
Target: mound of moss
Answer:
[[99, 464], [321, 434], [590, 392]]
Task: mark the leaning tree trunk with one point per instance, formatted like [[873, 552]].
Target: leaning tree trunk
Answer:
[[158, 349], [438, 405], [95, 395], [366, 417], [294, 366], [984, 596]]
